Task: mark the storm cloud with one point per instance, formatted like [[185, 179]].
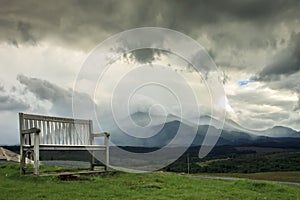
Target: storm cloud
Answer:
[[83, 24], [231, 27], [285, 62]]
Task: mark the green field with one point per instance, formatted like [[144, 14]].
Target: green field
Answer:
[[119, 185], [270, 176]]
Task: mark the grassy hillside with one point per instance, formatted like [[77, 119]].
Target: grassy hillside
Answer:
[[118, 185], [237, 162]]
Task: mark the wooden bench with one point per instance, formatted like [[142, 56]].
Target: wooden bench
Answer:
[[48, 133]]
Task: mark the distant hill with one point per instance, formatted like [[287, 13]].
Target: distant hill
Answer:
[[280, 131]]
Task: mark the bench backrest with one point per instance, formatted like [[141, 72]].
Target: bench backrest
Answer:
[[57, 130]]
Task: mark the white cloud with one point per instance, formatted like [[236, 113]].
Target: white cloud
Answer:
[[45, 61]]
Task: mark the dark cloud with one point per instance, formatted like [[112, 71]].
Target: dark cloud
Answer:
[[24, 29], [284, 71], [146, 55], [286, 62], [84, 24], [44, 89], [230, 26], [60, 98], [255, 10]]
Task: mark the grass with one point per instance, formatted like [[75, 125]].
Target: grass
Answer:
[[270, 176], [119, 185], [228, 161]]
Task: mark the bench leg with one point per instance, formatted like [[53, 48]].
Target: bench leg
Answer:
[[22, 140], [36, 154], [106, 152], [22, 160], [92, 160]]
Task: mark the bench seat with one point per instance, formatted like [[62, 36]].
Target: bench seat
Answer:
[[62, 147]]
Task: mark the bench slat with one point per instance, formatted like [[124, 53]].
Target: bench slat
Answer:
[[55, 119], [72, 148]]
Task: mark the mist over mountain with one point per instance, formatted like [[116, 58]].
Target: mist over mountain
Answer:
[[231, 134]]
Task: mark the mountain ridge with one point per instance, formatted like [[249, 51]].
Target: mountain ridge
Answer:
[[231, 134]]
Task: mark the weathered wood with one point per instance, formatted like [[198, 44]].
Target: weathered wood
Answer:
[[61, 147], [106, 143], [53, 133], [92, 159], [56, 140], [39, 132], [104, 134], [84, 172], [30, 135], [54, 119], [36, 153], [26, 126], [106, 140], [22, 141], [44, 132], [30, 131]]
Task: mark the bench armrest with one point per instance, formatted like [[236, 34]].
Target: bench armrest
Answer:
[[104, 134], [32, 130]]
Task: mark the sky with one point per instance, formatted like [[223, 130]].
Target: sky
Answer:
[[43, 45]]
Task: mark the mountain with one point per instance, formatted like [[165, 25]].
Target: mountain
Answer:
[[230, 125], [280, 131], [166, 127]]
